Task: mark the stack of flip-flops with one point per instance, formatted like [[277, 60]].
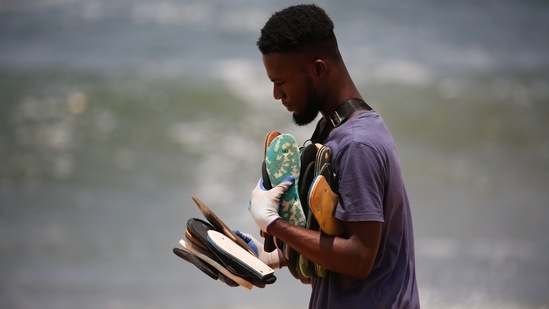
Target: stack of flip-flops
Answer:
[[218, 252], [310, 203]]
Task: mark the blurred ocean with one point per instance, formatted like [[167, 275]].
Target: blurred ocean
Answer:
[[113, 113]]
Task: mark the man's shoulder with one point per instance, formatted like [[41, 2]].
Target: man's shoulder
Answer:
[[365, 128]]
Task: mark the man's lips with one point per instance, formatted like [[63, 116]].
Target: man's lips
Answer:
[[288, 106]]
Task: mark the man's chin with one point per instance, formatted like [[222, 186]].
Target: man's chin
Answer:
[[304, 119]]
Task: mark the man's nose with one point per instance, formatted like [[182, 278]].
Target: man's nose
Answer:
[[278, 94]]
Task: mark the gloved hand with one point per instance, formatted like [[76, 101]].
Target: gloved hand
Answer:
[[264, 204], [273, 259]]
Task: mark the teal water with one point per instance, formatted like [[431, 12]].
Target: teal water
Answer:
[[113, 114]]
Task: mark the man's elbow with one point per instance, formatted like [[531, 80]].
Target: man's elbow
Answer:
[[362, 271]]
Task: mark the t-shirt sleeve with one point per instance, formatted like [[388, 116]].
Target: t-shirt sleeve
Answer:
[[360, 174]]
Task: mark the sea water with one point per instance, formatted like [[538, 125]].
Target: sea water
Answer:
[[114, 113]]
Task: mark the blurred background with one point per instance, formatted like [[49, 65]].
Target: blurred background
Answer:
[[113, 113]]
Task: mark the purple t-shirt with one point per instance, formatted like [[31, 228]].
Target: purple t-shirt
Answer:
[[371, 188]]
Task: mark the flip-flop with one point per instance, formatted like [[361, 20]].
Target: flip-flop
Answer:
[[269, 244], [306, 174], [282, 160], [268, 140], [193, 259], [192, 225], [322, 198], [204, 266], [246, 262], [319, 180], [322, 169], [197, 236], [197, 232], [200, 236], [242, 282], [292, 262], [220, 225]]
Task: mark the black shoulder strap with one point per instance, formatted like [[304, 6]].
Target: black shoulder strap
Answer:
[[337, 117], [321, 132], [346, 109]]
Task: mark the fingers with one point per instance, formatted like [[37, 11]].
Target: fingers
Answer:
[[261, 185], [249, 240], [282, 187], [289, 178], [285, 185], [287, 182], [245, 237]]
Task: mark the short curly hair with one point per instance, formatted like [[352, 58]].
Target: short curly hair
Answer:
[[304, 27]]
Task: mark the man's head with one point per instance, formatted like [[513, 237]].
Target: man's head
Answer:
[[301, 28], [296, 43]]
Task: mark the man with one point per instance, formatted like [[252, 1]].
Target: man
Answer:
[[372, 264]]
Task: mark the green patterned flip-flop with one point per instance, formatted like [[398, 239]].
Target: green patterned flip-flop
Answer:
[[282, 159], [269, 243]]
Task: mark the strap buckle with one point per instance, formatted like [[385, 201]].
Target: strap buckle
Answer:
[[335, 119], [345, 110]]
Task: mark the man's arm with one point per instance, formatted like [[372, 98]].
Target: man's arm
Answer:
[[353, 255]]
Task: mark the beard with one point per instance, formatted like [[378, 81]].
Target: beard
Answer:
[[312, 108]]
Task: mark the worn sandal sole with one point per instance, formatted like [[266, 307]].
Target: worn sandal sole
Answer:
[[269, 244], [242, 282], [200, 231], [322, 199], [203, 266], [282, 160], [219, 224], [222, 245]]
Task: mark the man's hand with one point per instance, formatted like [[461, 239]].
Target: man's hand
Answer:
[[264, 204], [273, 259]]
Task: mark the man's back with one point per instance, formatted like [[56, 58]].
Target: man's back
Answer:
[[371, 188]]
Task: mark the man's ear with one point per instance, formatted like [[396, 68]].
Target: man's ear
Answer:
[[320, 68]]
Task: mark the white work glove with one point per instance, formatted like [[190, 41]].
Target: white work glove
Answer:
[[273, 259], [264, 204]]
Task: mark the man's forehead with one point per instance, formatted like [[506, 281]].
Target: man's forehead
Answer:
[[277, 58], [282, 61]]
